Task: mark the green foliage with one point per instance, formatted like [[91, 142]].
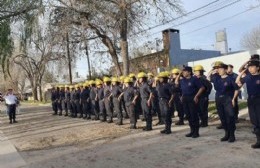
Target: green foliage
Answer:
[[6, 43], [11, 11]]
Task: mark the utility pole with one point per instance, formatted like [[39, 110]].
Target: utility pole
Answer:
[[69, 58], [87, 54]]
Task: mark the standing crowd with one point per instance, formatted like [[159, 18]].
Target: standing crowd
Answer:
[[184, 90]]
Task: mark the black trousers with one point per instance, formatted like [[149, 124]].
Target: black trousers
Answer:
[[236, 109], [254, 113], [78, 107], [68, 105], [11, 109], [59, 105], [65, 105], [166, 112], [156, 108], [191, 110], [226, 112], [118, 109], [178, 107], [94, 108], [203, 109], [85, 108], [123, 107], [132, 114], [102, 109], [109, 110], [147, 113], [54, 107]]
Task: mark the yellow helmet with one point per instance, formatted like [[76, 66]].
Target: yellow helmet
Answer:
[[131, 75], [122, 78], [76, 85], [168, 73], [115, 79], [106, 79], [99, 82], [71, 87], [163, 75], [128, 80], [141, 75], [198, 68], [60, 86], [91, 82], [85, 84], [80, 84], [150, 74], [175, 71], [217, 63]]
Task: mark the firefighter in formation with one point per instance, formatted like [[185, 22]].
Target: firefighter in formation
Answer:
[[145, 96]]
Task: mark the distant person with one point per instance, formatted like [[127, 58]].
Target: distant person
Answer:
[[11, 101], [251, 76], [234, 77]]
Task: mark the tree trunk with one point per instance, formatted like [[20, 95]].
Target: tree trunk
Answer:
[[124, 53], [35, 93], [123, 40], [89, 70], [109, 44], [69, 58], [40, 92]]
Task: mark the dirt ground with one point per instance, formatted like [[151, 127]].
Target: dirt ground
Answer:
[[50, 141]]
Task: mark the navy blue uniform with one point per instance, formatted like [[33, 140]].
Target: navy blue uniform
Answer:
[[116, 91], [102, 109], [165, 92], [54, 97], [60, 98], [189, 88], [108, 103], [72, 102], [177, 104], [77, 102], [253, 101], [93, 103], [236, 108], [67, 105], [123, 107], [156, 106], [61, 104], [225, 88], [84, 98], [145, 91], [129, 94], [204, 101]]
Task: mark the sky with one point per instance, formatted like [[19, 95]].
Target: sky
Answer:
[[236, 27]]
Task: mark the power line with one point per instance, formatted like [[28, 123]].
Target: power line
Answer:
[[200, 16], [174, 19], [225, 19]]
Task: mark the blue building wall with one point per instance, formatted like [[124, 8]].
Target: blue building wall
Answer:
[[180, 56]]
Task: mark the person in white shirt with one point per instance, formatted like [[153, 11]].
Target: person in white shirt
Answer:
[[10, 100]]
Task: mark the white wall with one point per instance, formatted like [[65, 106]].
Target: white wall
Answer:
[[236, 60]]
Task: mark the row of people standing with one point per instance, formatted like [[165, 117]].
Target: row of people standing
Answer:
[[146, 95], [185, 91]]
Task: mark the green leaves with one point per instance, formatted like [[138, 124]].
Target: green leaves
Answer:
[[6, 43]]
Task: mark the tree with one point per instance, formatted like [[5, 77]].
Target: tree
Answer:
[[113, 20], [34, 59], [13, 11], [251, 40]]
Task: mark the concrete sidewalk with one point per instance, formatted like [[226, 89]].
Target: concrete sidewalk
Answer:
[[9, 157]]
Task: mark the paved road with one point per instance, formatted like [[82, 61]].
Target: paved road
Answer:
[[123, 148]]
